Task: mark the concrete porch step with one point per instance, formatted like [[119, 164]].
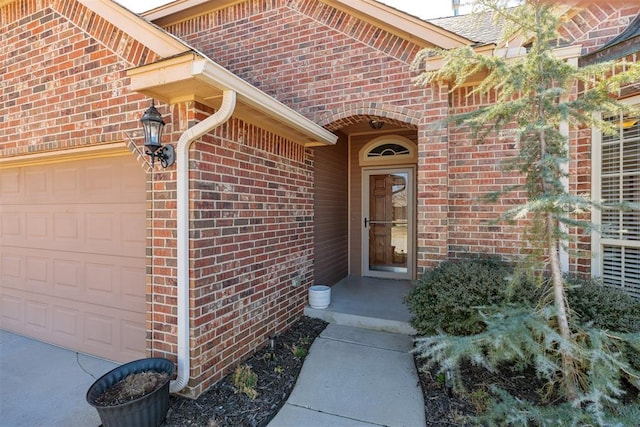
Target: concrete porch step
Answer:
[[368, 303], [360, 321]]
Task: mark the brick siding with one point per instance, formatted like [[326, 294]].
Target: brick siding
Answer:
[[331, 67], [62, 89], [475, 172], [64, 85], [337, 69], [253, 233]]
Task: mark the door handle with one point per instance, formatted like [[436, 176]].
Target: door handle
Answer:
[[366, 221]]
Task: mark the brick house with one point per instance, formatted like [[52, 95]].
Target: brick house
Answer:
[[296, 126]]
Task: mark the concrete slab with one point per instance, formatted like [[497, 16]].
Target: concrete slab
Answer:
[[382, 340], [44, 385], [295, 416], [368, 303], [359, 382], [360, 321], [365, 296]]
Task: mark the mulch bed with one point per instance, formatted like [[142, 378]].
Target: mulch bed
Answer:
[[277, 371], [444, 408]]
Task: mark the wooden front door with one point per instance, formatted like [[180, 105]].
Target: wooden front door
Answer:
[[388, 223]]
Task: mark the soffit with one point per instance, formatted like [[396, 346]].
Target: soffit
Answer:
[[186, 75], [193, 77]]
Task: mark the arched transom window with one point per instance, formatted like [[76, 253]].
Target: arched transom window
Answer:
[[388, 150]]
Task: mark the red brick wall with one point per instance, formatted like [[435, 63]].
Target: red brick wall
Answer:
[[600, 21], [474, 166], [475, 172], [327, 65], [62, 84], [332, 67], [253, 234], [308, 55], [433, 180]]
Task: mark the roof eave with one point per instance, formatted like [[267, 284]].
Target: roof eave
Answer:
[[401, 24], [193, 77], [396, 22], [611, 52], [151, 36]]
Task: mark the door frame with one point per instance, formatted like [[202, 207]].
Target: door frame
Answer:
[[411, 222]]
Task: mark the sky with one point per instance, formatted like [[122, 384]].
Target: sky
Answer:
[[421, 8]]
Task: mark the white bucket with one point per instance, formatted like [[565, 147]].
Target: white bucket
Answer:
[[319, 296]]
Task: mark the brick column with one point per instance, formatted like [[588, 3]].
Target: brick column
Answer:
[[432, 180]]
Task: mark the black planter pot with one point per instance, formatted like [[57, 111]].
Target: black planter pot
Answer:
[[149, 410]]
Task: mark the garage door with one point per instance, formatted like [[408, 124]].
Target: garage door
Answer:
[[72, 257]]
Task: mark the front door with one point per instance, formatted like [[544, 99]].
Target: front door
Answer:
[[388, 223]]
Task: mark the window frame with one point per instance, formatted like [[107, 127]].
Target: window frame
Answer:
[[598, 241], [410, 158]]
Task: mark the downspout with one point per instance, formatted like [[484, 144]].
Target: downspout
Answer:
[[182, 177]]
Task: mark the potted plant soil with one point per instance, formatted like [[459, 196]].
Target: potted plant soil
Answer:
[[135, 394]]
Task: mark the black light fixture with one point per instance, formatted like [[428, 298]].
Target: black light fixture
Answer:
[[376, 124], [152, 124]]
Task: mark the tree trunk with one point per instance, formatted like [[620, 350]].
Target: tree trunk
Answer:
[[568, 366]]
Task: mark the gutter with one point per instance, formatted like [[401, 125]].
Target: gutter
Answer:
[[182, 176], [190, 76]]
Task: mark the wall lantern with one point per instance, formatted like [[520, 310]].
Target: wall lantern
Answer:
[[153, 125]]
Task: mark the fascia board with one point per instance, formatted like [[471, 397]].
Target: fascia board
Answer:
[[146, 33], [203, 71], [257, 99], [400, 23]]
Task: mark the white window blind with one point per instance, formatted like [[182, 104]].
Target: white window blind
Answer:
[[620, 184]]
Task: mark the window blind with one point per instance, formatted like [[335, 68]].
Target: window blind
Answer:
[[620, 185]]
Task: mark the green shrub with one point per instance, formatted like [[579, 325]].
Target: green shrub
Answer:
[[606, 308], [603, 306], [448, 297]]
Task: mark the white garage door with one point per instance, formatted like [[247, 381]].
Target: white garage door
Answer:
[[72, 260]]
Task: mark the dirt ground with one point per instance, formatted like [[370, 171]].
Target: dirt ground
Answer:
[[132, 387]]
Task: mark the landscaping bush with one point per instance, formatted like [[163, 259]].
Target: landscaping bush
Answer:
[[606, 308], [448, 297], [603, 306]]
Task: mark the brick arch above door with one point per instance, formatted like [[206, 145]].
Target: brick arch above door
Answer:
[[338, 118]]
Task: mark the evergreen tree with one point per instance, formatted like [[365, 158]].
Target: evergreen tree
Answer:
[[537, 91]]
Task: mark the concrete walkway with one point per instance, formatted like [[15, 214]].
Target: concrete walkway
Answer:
[[44, 385], [354, 377]]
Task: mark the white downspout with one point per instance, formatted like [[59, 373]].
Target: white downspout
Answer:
[[182, 172]]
